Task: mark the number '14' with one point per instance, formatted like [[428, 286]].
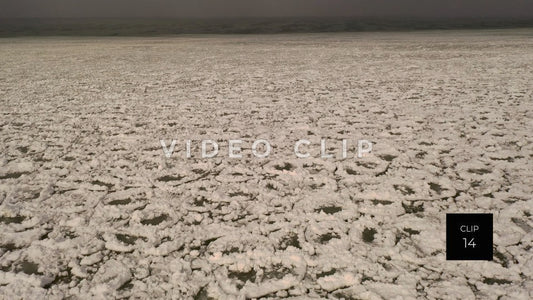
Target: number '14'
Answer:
[[469, 243]]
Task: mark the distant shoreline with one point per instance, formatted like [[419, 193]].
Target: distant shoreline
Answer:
[[159, 27]]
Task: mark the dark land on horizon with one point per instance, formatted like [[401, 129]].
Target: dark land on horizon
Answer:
[[160, 27]]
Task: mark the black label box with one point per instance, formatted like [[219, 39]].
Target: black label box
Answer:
[[469, 237]]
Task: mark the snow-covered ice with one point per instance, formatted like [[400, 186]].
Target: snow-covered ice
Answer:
[[90, 207]]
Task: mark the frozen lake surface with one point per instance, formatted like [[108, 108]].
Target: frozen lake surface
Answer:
[[90, 207]]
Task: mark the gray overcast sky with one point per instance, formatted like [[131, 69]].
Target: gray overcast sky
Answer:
[[265, 8]]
